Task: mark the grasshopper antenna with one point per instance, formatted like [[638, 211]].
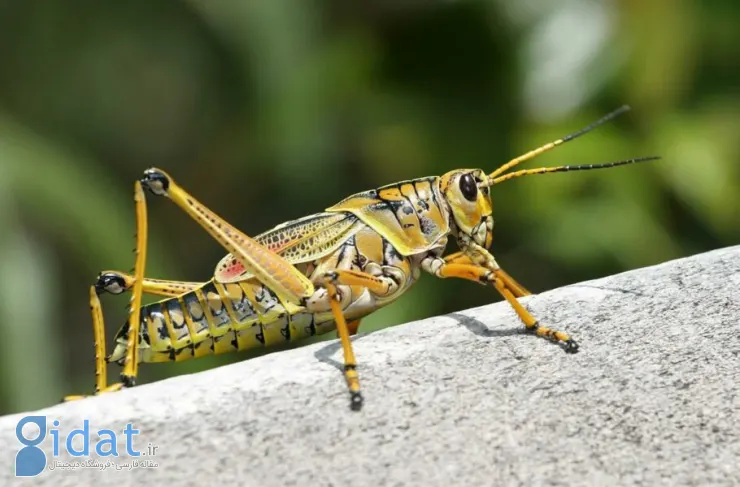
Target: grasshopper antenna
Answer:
[[582, 167], [551, 145]]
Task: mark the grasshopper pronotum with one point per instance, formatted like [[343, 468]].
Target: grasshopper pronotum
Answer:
[[315, 274]]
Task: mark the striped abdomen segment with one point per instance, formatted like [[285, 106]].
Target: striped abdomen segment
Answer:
[[218, 318]]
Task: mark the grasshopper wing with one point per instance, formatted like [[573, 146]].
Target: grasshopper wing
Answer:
[[298, 241]]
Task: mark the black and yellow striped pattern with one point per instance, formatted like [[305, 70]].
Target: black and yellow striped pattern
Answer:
[[214, 319], [411, 215]]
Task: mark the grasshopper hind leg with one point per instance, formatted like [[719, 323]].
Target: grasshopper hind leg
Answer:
[[130, 365], [116, 282], [101, 366]]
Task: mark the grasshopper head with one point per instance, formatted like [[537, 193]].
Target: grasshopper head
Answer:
[[469, 202]]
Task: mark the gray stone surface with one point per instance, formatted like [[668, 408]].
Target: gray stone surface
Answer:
[[465, 399]]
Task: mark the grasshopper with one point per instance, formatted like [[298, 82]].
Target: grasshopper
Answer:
[[317, 274]]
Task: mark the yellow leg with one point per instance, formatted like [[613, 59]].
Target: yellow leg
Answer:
[[130, 368], [101, 367], [498, 278], [517, 289], [532, 324], [116, 282], [350, 363], [131, 362], [268, 267], [376, 285], [355, 278]]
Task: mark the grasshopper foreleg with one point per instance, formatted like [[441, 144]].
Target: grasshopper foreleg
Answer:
[[517, 289], [461, 266]]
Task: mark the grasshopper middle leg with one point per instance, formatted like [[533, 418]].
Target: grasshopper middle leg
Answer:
[[377, 285]]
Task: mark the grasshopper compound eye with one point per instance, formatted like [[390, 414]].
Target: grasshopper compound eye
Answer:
[[468, 188], [156, 181]]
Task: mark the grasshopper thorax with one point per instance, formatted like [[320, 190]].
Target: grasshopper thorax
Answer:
[[469, 203]]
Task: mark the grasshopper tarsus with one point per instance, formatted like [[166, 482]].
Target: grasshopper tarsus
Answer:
[[356, 401], [571, 346]]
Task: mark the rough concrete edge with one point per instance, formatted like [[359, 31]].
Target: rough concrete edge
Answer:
[[270, 373]]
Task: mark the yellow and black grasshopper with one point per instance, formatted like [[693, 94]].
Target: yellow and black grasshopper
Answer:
[[316, 274]]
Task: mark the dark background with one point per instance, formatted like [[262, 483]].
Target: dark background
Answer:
[[270, 110]]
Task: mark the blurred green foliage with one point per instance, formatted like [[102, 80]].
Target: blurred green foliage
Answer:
[[269, 110]]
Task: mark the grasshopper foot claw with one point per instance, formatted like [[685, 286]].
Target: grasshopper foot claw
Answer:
[[356, 401], [571, 346]]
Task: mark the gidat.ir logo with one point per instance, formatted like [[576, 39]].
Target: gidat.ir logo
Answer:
[[30, 460]]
